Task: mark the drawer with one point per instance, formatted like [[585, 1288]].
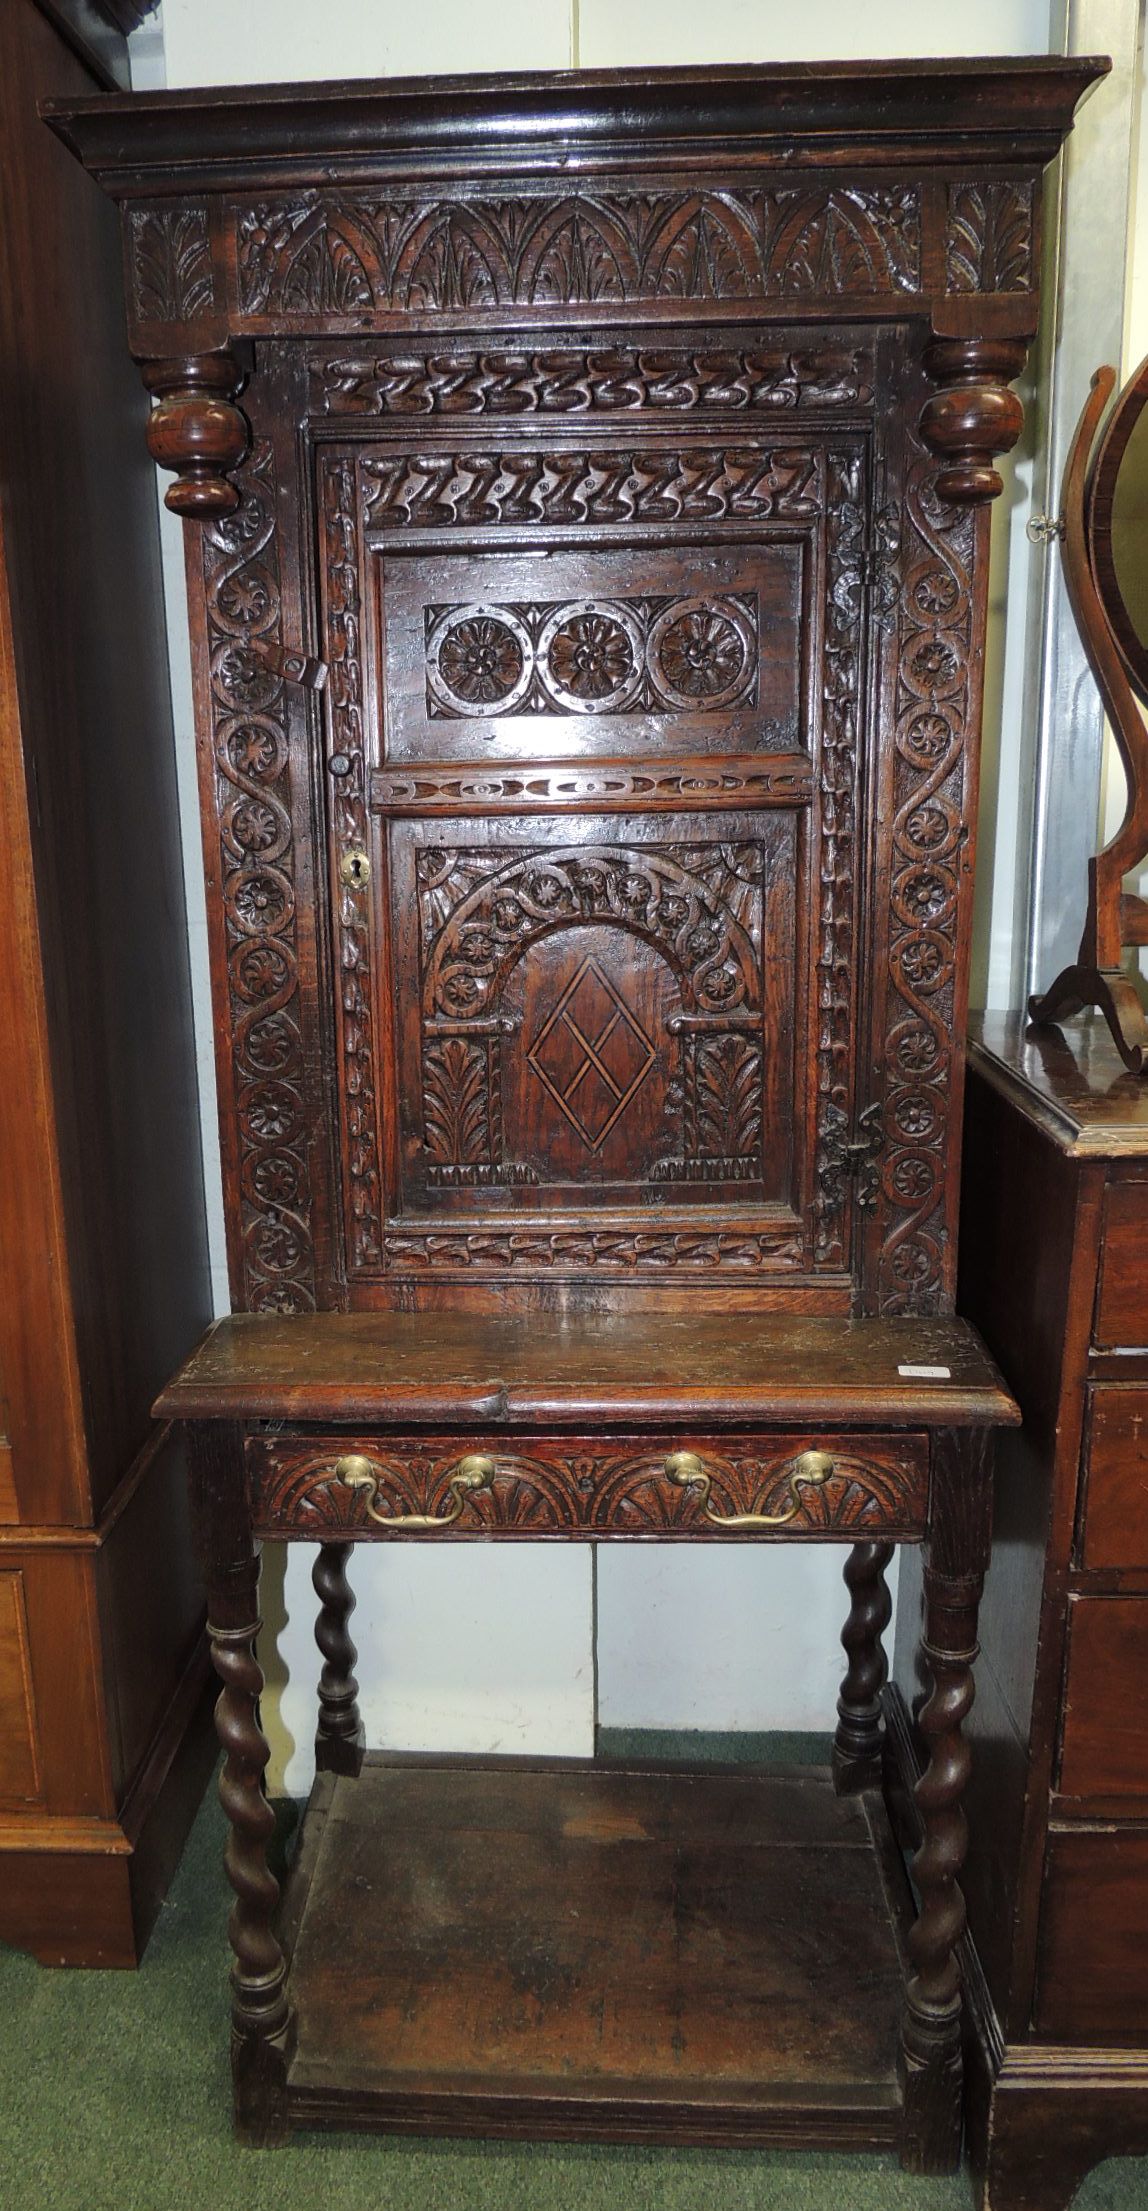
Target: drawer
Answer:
[[1091, 1984], [1114, 1525], [805, 1484], [1122, 1299], [1104, 1736]]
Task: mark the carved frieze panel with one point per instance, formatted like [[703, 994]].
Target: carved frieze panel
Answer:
[[338, 256], [554, 486], [258, 899], [572, 380], [611, 784]]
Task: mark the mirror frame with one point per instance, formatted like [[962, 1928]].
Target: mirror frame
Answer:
[[1115, 438]]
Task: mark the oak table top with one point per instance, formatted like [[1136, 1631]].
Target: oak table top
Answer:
[[350, 1367]]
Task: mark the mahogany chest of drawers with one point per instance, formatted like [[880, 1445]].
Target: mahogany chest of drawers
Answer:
[[1054, 1271]]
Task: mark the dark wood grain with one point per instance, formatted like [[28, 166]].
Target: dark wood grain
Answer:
[[780, 110], [347, 1368], [627, 1962]]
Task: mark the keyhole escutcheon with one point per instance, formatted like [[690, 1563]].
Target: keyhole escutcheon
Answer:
[[355, 869]]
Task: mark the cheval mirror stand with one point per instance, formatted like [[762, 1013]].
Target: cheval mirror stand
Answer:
[[589, 481]]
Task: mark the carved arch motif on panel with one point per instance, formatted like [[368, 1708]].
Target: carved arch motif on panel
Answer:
[[331, 254], [700, 911]]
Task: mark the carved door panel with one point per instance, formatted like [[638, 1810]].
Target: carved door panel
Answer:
[[592, 722]]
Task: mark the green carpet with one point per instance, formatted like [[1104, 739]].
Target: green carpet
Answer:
[[114, 2097]]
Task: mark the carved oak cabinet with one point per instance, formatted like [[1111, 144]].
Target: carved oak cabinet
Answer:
[[588, 480]]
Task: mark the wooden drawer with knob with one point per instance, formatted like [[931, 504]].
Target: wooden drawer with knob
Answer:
[[838, 1487]]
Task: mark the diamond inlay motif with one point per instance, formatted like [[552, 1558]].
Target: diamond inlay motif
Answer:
[[591, 1054]]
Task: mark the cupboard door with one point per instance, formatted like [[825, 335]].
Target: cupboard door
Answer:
[[593, 732]]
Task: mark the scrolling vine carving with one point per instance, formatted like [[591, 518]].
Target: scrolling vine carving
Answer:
[[933, 703], [600, 1251], [241, 578], [330, 254]]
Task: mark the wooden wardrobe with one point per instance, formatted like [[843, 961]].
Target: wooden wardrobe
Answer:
[[103, 1269]]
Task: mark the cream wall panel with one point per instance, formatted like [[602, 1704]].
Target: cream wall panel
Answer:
[[471, 1647], [610, 36], [260, 41]]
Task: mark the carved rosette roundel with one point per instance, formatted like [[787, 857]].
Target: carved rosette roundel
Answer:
[[702, 652], [593, 656], [480, 663], [258, 891]]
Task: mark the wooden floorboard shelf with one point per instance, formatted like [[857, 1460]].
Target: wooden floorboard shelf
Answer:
[[573, 1950]]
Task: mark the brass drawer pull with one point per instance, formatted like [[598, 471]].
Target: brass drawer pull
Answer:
[[470, 1475], [810, 1469]]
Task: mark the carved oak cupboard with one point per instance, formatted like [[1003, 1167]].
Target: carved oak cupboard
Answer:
[[588, 481]]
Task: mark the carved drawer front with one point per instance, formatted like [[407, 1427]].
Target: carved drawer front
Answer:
[[1114, 1527], [811, 1486]]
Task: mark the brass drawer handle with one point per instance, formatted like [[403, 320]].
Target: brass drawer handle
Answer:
[[810, 1469], [470, 1475]]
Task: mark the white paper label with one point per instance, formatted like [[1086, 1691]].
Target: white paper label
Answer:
[[926, 1374]]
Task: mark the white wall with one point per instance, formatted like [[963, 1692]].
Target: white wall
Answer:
[[480, 1648]]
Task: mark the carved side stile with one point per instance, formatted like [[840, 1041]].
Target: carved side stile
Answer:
[[252, 800]]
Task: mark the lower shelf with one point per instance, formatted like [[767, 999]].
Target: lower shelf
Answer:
[[706, 1955]]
